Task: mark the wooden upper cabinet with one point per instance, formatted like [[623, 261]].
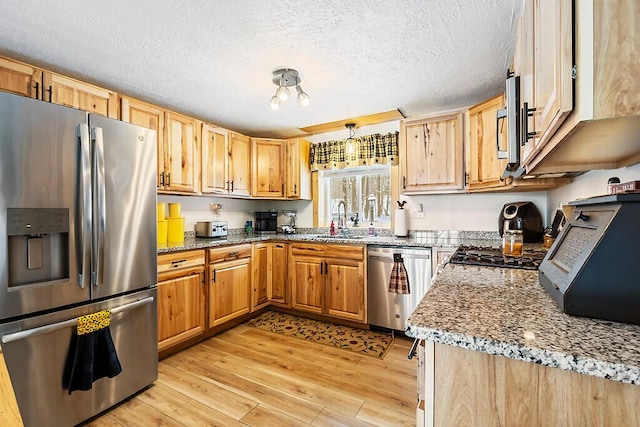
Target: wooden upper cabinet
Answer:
[[553, 61], [484, 169], [239, 164], [524, 68], [152, 117], [298, 170], [431, 154], [215, 159], [20, 79], [268, 156], [181, 152], [602, 124], [83, 96]]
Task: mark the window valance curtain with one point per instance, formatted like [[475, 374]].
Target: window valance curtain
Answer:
[[376, 149]]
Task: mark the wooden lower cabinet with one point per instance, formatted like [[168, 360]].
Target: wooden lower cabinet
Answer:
[[472, 388], [307, 283], [279, 274], [181, 297], [328, 279], [269, 275], [344, 287], [229, 283]]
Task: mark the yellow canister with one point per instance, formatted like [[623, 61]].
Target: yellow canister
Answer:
[[174, 210], [176, 230], [162, 209], [163, 228]]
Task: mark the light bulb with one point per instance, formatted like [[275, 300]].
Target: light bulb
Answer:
[[303, 98], [282, 93], [274, 103]]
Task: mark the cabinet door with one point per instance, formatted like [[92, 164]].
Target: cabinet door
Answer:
[[432, 154], [553, 82], [485, 169], [215, 159], [268, 169], [147, 115], [239, 164], [229, 295], [292, 176], [345, 289], [180, 309], [279, 293], [526, 48], [307, 283], [298, 172], [181, 153], [261, 274], [20, 79], [83, 96]]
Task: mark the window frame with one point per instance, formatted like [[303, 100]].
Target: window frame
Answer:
[[324, 205]]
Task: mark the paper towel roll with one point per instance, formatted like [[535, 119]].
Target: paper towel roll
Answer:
[[401, 225]]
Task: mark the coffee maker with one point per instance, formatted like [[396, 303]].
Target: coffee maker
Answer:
[[267, 222], [521, 216]]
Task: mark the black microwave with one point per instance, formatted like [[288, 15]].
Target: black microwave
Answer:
[[267, 222], [592, 269]]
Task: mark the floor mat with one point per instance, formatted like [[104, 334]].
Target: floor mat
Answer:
[[363, 342]]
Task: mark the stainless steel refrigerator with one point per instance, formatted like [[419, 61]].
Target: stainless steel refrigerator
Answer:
[[77, 235]]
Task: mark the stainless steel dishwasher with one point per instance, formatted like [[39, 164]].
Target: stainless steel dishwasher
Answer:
[[388, 309]]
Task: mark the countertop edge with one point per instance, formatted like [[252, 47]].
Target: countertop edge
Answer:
[[568, 362]]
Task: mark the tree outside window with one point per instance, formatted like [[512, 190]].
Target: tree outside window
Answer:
[[366, 192]]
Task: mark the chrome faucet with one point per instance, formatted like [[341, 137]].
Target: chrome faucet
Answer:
[[342, 220]]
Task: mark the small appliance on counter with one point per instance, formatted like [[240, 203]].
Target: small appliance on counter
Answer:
[[211, 229], [291, 227], [592, 268], [521, 216], [267, 222]]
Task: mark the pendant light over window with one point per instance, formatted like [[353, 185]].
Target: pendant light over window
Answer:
[[350, 146], [285, 78]]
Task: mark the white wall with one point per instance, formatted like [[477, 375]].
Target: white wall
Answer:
[[468, 212], [236, 211], [591, 184]]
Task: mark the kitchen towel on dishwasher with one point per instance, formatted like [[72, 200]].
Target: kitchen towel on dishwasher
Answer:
[[399, 282], [92, 354]]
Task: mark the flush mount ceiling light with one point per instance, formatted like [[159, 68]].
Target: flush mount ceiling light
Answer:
[[285, 78]]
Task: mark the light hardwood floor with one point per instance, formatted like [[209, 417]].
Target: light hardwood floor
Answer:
[[247, 376]]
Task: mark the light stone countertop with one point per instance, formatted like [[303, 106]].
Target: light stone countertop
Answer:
[[506, 312], [427, 240]]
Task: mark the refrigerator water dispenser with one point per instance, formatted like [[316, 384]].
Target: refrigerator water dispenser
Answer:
[[38, 245]]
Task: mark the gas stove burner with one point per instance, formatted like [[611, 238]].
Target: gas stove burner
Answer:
[[493, 257]]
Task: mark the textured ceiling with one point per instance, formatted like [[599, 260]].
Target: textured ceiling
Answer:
[[213, 59]]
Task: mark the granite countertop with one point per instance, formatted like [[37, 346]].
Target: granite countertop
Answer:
[[427, 239], [506, 312]]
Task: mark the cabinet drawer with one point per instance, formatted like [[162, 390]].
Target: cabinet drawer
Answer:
[[228, 253], [354, 252], [180, 260]]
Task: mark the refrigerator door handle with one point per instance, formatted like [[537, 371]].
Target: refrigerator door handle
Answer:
[[66, 323], [83, 220], [100, 206]]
